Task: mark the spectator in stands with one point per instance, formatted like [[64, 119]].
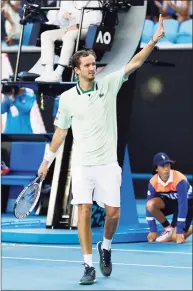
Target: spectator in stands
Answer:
[[182, 10], [152, 12], [169, 192], [10, 25], [18, 104], [68, 19]]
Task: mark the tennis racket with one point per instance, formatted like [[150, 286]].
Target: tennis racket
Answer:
[[28, 199]]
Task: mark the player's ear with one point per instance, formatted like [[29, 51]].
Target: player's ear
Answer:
[[76, 70]]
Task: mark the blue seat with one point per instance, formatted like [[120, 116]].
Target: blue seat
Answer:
[[147, 31], [185, 32], [25, 160], [171, 27]]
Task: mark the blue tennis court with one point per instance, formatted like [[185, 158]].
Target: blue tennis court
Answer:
[[136, 266]]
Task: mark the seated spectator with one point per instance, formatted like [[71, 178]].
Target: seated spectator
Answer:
[[68, 19], [152, 11], [181, 10], [10, 25]]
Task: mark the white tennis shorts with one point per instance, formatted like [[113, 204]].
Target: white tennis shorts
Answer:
[[99, 183]]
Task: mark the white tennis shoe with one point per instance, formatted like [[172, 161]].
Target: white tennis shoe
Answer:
[[166, 236]]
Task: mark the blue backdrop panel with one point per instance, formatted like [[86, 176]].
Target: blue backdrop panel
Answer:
[[128, 202], [14, 192], [26, 156]]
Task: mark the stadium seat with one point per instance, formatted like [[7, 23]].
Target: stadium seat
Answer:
[[147, 31], [171, 27], [25, 159], [185, 32]]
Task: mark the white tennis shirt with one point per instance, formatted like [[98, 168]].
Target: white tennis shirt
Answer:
[[93, 119]]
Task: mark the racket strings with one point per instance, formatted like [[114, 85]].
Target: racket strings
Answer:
[[27, 200]]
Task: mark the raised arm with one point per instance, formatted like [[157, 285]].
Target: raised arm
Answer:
[[138, 60]]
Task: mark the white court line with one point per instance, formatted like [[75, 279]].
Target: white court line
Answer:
[[73, 247], [68, 261]]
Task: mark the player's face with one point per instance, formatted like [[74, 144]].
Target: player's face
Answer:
[[164, 171], [87, 68]]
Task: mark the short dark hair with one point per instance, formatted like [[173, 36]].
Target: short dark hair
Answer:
[[75, 59]]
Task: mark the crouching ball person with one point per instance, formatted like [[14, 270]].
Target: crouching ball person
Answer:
[[168, 193]]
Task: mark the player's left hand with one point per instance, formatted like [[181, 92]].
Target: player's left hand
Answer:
[[180, 239], [160, 31]]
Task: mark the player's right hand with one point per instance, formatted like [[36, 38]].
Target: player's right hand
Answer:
[[152, 236], [43, 170], [160, 31]]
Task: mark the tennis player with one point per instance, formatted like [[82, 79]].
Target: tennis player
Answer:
[[169, 192], [90, 108]]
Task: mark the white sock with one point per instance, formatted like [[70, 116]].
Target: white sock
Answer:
[[88, 260], [59, 70], [106, 244], [49, 68]]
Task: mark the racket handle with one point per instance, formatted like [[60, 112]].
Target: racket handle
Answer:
[[37, 178]]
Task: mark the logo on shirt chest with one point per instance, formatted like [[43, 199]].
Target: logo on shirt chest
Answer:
[[100, 95]]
